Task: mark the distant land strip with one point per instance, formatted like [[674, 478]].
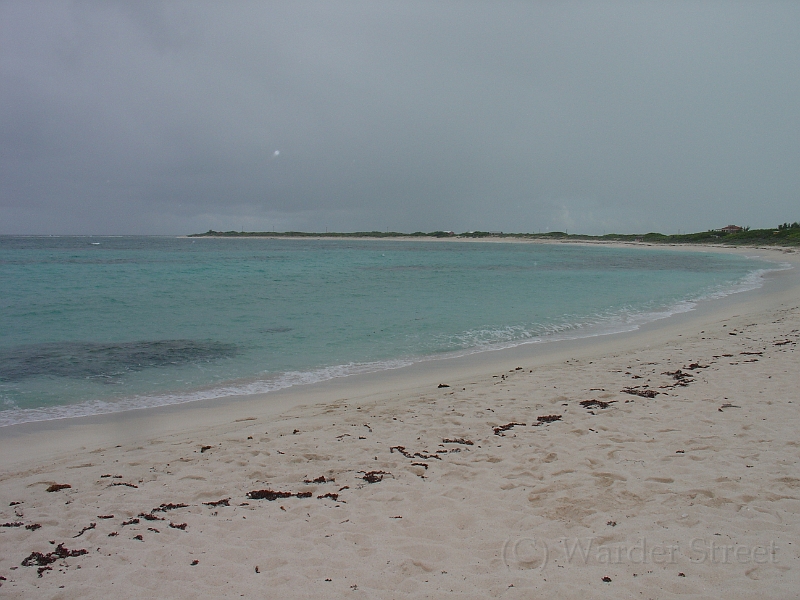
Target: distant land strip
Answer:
[[787, 234]]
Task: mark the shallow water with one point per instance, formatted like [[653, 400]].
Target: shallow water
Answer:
[[93, 325]]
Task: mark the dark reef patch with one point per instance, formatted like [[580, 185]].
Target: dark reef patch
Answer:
[[105, 360]]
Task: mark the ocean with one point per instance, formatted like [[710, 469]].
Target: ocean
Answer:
[[92, 325]]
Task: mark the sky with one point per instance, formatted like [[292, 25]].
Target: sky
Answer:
[[590, 117]]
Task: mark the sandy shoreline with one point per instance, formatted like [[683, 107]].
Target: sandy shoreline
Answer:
[[652, 489], [698, 247]]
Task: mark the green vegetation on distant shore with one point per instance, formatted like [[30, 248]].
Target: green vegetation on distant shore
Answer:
[[787, 234]]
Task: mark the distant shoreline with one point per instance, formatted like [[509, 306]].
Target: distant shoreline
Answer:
[[787, 235]]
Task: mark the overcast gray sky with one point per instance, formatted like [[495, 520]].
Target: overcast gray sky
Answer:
[[177, 117]]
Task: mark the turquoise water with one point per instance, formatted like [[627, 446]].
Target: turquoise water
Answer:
[[93, 325]]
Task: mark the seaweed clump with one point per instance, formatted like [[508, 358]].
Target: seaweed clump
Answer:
[[548, 419], [640, 392], [58, 486], [374, 476], [272, 495], [43, 561], [500, 429], [223, 502], [170, 506], [464, 441], [595, 404]]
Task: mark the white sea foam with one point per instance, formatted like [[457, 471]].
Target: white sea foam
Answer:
[[246, 388]]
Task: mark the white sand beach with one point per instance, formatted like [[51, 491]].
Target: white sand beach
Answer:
[[661, 463]]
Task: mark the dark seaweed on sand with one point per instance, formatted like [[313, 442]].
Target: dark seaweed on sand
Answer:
[[402, 450], [170, 506], [58, 486], [271, 495], [268, 495], [500, 429], [682, 379], [548, 419], [595, 404], [640, 392], [85, 529], [374, 476], [150, 517], [320, 479], [223, 502], [45, 560]]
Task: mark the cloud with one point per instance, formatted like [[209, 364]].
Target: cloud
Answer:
[[165, 117]]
